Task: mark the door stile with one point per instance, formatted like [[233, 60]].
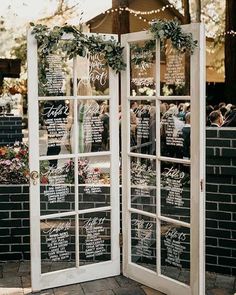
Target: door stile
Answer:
[[125, 159], [115, 170], [198, 163], [33, 161], [158, 163], [75, 152]]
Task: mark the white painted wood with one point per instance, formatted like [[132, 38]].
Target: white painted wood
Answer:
[[125, 82], [115, 169], [97, 97], [80, 273], [33, 160], [177, 222], [197, 163], [198, 83]]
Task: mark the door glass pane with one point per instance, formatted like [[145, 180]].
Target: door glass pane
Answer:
[[57, 243], [94, 125], [143, 172], [55, 121], [175, 191], [175, 71], [94, 182], [57, 186], [175, 252], [143, 198], [143, 241], [175, 129], [55, 73], [99, 74], [142, 68], [143, 127], [94, 237], [93, 75]]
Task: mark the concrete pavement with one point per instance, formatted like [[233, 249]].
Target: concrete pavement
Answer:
[[15, 280]]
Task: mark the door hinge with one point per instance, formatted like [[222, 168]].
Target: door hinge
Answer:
[[121, 240], [201, 184]]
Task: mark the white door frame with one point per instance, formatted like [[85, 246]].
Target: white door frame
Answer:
[[197, 223], [79, 273]]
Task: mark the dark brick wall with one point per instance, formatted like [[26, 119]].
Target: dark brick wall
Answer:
[[220, 208], [10, 130], [14, 222], [221, 200]]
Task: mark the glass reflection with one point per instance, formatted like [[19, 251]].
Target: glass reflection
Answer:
[[143, 199], [175, 191], [143, 172], [94, 171], [55, 74], [143, 127], [57, 172], [175, 71], [55, 119], [99, 74], [95, 237], [143, 241], [56, 198], [175, 252], [94, 182], [58, 243], [94, 196], [94, 126], [142, 68], [175, 129]]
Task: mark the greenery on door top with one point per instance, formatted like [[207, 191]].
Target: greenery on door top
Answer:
[[163, 30], [81, 44], [171, 29], [48, 42]]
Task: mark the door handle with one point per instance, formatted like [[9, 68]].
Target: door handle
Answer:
[[34, 175]]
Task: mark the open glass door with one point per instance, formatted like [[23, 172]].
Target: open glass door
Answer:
[[74, 163], [163, 164]]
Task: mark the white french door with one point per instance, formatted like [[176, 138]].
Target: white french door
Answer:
[[163, 94], [74, 164]]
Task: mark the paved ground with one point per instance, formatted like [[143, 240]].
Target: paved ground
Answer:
[[15, 280]]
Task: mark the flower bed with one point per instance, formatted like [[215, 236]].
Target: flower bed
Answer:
[[14, 168]]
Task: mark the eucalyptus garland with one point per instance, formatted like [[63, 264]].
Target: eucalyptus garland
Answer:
[[80, 44], [163, 30], [171, 29], [143, 54]]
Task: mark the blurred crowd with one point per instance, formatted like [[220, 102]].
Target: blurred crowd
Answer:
[[221, 115]]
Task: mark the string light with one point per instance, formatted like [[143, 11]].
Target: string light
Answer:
[[222, 34], [139, 14]]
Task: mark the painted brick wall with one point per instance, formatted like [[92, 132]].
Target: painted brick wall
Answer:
[[14, 222], [221, 200], [10, 130], [220, 208]]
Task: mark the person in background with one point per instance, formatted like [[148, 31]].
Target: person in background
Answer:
[[186, 137], [229, 106], [209, 109], [230, 120], [223, 111], [216, 119], [105, 118], [133, 122], [181, 112], [222, 105]]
